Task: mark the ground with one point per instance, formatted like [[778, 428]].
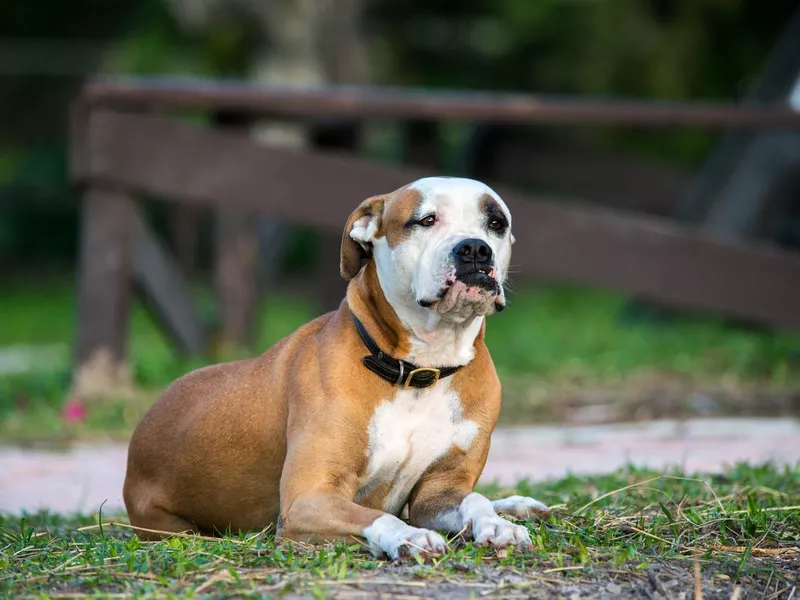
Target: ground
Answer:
[[634, 533], [563, 354]]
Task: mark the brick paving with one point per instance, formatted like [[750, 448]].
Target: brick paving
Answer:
[[89, 474]]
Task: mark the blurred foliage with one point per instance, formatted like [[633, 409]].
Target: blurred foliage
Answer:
[[46, 47], [156, 44], [668, 49]]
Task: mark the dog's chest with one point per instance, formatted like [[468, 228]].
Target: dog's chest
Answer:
[[406, 435]]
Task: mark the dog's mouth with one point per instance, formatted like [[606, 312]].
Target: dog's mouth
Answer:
[[481, 278], [476, 285]]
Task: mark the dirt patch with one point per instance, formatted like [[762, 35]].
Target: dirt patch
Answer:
[[665, 579]]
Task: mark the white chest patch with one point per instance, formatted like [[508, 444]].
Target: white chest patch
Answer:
[[407, 434]]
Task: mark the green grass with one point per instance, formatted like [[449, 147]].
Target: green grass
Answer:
[[562, 332], [633, 532], [552, 341]]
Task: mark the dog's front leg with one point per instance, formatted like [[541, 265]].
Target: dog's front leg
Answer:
[[443, 499], [323, 516], [317, 502]]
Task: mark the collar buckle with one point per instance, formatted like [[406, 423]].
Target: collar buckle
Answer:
[[436, 374]]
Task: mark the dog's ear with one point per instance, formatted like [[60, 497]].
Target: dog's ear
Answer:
[[362, 227]]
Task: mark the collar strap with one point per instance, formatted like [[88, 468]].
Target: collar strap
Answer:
[[399, 372]]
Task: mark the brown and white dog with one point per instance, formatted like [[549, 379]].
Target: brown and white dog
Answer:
[[385, 404]]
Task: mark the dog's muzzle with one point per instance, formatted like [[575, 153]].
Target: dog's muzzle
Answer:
[[474, 264]]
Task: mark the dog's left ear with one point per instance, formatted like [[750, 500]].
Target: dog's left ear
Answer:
[[361, 229]]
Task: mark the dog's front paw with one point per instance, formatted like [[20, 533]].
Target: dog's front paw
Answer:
[[499, 533], [420, 541], [390, 536], [521, 507]]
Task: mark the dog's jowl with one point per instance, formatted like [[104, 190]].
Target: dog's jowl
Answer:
[[387, 403]]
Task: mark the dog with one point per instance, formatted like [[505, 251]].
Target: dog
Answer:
[[385, 405]]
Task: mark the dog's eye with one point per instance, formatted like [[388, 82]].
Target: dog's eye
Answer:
[[428, 221], [496, 225]]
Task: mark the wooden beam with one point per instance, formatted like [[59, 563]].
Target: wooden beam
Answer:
[[235, 276], [587, 174], [105, 276], [745, 196], [165, 290], [405, 103], [235, 255], [118, 249], [657, 259], [165, 158], [653, 257]]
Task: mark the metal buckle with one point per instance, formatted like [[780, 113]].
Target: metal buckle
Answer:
[[436, 374]]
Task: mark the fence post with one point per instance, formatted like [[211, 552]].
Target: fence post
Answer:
[[235, 258], [236, 244], [105, 290]]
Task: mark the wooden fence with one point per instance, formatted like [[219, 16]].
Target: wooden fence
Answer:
[[127, 147]]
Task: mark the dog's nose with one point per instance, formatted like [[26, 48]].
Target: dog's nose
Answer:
[[473, 250]]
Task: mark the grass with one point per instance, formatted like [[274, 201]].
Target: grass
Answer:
[[554, 342], [633, 532]]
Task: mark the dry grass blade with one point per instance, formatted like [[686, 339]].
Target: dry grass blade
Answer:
[[158, 531], [658, 538], [764, 551], [258, 534], [362, 581], [780, 593], [698, 581], [615, 492], [560, 569], [705, 483], [83, 596], [768, 509], [215, 578]]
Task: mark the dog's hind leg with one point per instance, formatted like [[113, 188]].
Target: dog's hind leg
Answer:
[[155, 523]]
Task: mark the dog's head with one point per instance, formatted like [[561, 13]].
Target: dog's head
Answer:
[[440, 244]]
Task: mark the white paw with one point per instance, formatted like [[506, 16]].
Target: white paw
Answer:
[[499, 533], [419, 541], [521, 507], [389, 535]]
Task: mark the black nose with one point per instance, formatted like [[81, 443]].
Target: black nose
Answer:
[[473, 250]]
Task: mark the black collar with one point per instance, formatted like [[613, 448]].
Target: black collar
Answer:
[[399, 372]]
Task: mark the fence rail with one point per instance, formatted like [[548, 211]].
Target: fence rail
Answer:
[[122, 154], [401, 103]]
